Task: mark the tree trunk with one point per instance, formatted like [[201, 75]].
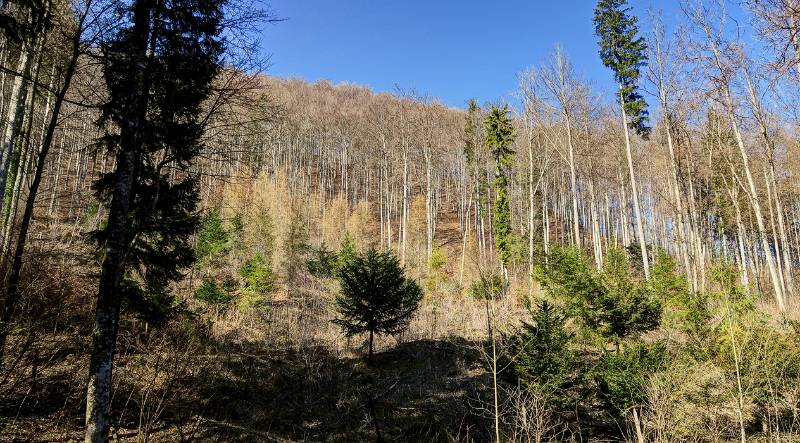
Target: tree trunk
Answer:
[[637, 212], [19, 94], [573, 182], [371, 340], [104, 335]]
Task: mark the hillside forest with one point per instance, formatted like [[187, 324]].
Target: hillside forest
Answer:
[[192, 249]]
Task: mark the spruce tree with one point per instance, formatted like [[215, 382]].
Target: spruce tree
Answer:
[[539, 356], [471, 131], [499, 138], [613, 303], [624, 52], [212, 237], [376, 296], [158, 68]]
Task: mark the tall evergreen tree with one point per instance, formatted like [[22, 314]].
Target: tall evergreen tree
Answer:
[[158, 68], [623, 51], [471, 131], [499, 138]]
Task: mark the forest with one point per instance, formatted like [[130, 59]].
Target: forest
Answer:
[[193, 249]]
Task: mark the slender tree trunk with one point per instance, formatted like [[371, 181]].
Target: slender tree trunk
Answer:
[[531, 211], [19, 96], [405, 207], [573, 182], [753, 196], [637, 212]]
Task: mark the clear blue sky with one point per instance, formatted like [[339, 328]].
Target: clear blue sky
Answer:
[[450, 49]]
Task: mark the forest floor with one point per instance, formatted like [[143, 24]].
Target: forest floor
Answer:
[[420, 390]]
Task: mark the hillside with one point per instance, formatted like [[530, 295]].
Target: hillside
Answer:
[[194, 250]]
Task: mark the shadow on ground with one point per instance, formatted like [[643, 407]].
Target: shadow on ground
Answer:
[[418, 391]]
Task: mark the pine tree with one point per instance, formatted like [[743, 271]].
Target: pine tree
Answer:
[[376, 295], [613, 303], [540, 356], [212, 237], [624, 52], [158, 70], [499, 138]]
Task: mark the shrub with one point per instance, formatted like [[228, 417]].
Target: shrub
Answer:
[[568, 279], [625, 307], [211, 293], [622, 377], [614, 303], [323, 263]]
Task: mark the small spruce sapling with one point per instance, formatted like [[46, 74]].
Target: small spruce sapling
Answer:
[[626, 307], [212, 237], [540, 357], [322, 262], [614, 303], [376, 296], [211, 293], [259, 281], [622, 377]]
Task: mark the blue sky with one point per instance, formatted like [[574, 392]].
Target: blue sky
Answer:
[[449, 49]]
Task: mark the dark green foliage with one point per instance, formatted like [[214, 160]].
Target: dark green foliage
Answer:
[[258, 276], [540, 358], [212, 237], [626, 306], [376, 296], [621, 377], [665, 281], [622, 50], [151, 304], [211, 293], [499, 138], [322, 262], [471, 131], [614, 303], [159, 127], [568, 277]]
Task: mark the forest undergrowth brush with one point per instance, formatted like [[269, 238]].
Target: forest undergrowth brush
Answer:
[[248, 350]]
